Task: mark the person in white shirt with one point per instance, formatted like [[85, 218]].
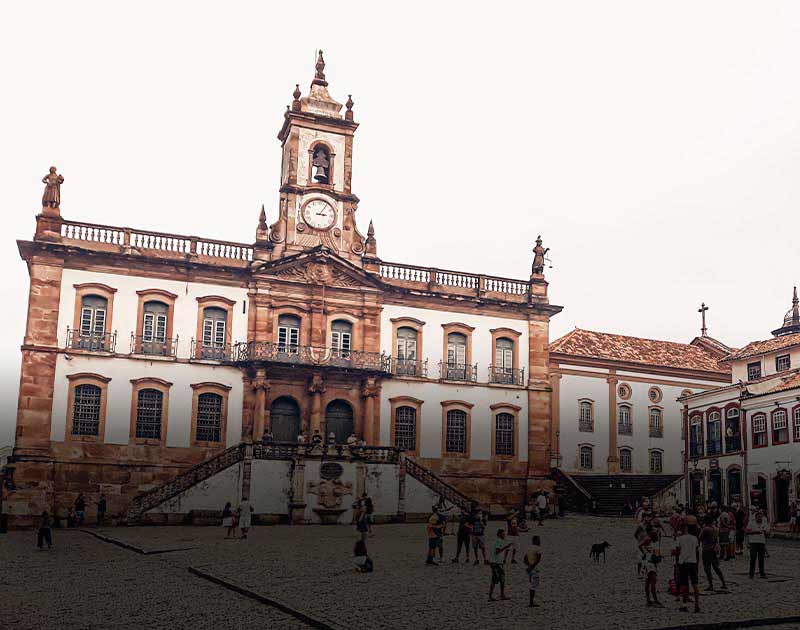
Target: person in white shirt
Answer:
[[541, 504], [757, 536], [687, 548]]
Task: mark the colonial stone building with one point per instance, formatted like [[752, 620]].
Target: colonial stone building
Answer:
[[146, 353], [743, 440]]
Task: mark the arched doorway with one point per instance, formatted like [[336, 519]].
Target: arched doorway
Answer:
[[782, 482], [284, 419], [734, 485], [339, 420], [715, 486]]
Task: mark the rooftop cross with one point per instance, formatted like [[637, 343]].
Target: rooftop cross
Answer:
[[702, 310]]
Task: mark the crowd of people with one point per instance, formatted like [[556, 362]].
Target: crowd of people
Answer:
[[697, 538]]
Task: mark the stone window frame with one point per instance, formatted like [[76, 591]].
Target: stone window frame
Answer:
[[457, 405], [629, 449], [156, 295], [580, 453], [696, 420], [408, 322], [331, 161], [780, 359], [788, 427], [356, 343], [85, 289], [406, 401], [305, 323], [208, 387], [213, 301], [650, 467], [655, 395], [149, 382], [624, 391], [759, 416], [754, 364], [464, 329], [86, 378], [513, 410], [581, 421], [660, 427], [795, 418], [629, 407], [513, 336]]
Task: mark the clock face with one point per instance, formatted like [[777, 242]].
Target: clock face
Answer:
[[319, 214]]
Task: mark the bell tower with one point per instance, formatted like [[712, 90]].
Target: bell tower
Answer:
[[317, 206]]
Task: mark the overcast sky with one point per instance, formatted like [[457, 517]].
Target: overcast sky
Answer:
[[654, 145]]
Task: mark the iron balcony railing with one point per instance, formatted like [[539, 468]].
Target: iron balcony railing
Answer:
[[215, 352], [656, 432], [506, 376], [586, 426], [458, 372], [715, 448], [624, 428], [733, 443], [409, 367], [256, 351], [153, 346], [696, 449], [105, 342]]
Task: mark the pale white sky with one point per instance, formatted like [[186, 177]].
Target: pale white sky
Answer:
[[656, 146]]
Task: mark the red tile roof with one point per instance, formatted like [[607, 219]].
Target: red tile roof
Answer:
[[762, 347], [590, 344]]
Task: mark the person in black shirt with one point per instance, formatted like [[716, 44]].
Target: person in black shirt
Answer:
[[369, 509], [463, 536], [45, 534], [101, 510], [80, 509]]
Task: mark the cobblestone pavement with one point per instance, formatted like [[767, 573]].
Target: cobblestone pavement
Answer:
[[309, 569]]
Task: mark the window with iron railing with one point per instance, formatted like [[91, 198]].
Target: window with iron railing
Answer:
[[586, 459], [625, 421], [586, 416], [625, 460], [456, 431], [405, 428], [696, 444], [733, 436], [149, 408], [458, 372], [656, 423], [656, 462], [714, 432], [209, 417], [86, 410], [504, 434]]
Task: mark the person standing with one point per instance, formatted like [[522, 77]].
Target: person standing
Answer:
[[532, 559], [227, 520], [478, 542], [80, 509], [513, 535], [652, 558], [541, 505], [709, 539], [434, 530], [687, 549], [101, 510], [740, 519], [724, 523], [245, 513], [463, 536], [369, 510], [757, 537], [498, 558], [45, 533]]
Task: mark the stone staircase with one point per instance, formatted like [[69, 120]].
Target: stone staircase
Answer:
[[427, 478], [606, 494]]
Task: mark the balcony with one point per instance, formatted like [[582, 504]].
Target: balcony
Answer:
[[714, 448], [624, 428], [696, 450], [409, 367], [154, 346], [506, 376], [289, 354], [216, 352], [586, 426], [656, 432], [733, 443], [105, 342], [458, 372]]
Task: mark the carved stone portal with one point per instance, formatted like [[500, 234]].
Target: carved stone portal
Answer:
[[329, 498]]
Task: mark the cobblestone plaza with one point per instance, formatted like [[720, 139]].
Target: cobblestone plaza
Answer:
[[299, 577]]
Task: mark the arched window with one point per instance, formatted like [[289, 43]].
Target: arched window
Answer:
[[215, 322], [625, 420], [341, 338], [797, 429], [321, 164], [503, 361], [86, 407], [780, 427], [586, 458], [733, 437], [696, 436], [656, 422], [656, 462], [456, 431], [759, 430], [456, 356], [504, 434], [154, 328], [288, 333], [625, 460], [209, 417], [405, 428], [93, 323], [714, 433], [149, 409], [586, 416], [406, 351]]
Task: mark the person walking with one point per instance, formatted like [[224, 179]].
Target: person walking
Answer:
[[757, 538], [709, 539], [541, 505], [687, 549], [463, 536], [45, 533], [80, 509], [369, 510], [498, 558], [101, 510], [362, 523], [478, 542], [532, 559], [227, 521], [245, 515], [652, 558]]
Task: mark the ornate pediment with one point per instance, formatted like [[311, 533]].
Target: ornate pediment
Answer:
[[319, 268]]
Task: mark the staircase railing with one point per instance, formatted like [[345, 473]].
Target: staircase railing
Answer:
[[427, 478], [185, 480], [561, 474]]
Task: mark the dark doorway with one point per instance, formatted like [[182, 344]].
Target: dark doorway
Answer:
[[734, 485], [339, 420], [782, 482], [715, 486], [284, 419], [696, 488]]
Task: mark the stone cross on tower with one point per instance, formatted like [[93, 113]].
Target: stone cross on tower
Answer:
[[702, 310]]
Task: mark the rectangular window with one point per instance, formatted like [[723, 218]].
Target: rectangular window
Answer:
[[147, 328], [780, 427], [288, 339], [148, 414], [759, 430], [504, 434], [456, 355], [783, 363], [456, 432], [753, 371], [797, 424], [656, 462], [86, 410], [208, 332]]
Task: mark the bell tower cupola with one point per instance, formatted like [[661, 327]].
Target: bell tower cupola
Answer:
[[317, 205]]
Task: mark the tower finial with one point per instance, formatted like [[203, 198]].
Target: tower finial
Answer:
[[795, 308], [319, 75], [702, 310], [371, 245], [262, 219], [296, 95], [348, 115]]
